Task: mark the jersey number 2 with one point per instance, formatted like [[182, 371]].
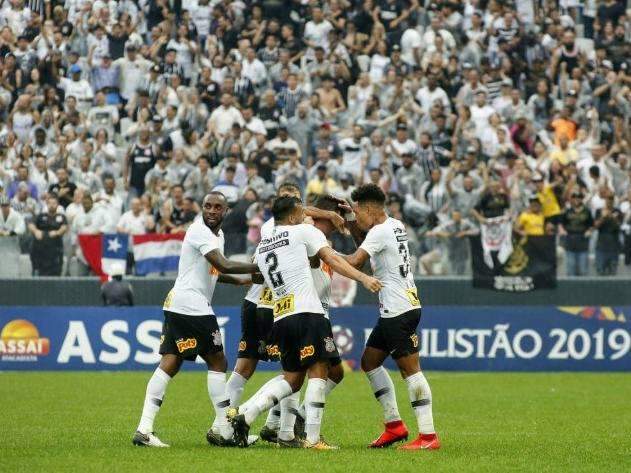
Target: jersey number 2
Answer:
[[272, 262]]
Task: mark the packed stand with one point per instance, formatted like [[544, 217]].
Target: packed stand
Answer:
[[119, 116]]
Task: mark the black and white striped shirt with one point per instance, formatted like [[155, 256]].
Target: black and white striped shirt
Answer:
[[288, 100]]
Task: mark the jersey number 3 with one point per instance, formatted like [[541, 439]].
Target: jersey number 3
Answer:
[[272, 263], [404, 268]]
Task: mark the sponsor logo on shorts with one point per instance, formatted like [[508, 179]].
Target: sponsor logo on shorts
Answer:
[[414, 339], [183, 345], [329, 344], [306, 352], [217, 338], [242, 345], [272, 350]]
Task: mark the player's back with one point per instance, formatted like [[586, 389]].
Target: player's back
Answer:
[[387, 245], [196, 280], [283, 258]]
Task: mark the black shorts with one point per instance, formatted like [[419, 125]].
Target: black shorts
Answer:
[[397, 335], [302, 340], [256, 327], [189, 335], [335, 358]]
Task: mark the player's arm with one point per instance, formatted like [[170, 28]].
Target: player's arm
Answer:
[[351, 224], [357, 259], [341, 266], [236, 281], [336, 219], [226, 266]]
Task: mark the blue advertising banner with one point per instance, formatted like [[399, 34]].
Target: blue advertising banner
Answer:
[[496, 338]]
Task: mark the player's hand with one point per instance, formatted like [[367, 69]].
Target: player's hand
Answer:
[[337, 220], [372, 284]]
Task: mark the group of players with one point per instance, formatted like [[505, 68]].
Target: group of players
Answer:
[[285, 317]]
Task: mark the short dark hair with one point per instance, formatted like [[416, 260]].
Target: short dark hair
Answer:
[[283, 206], [328, 202], [288, 185], [369, 193]]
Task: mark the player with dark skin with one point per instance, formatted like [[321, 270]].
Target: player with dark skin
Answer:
[[214, 209]]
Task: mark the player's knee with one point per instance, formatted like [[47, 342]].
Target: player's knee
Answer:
[[367, 364], [336, 374], [216, 362], [245, 367], [170, 364]]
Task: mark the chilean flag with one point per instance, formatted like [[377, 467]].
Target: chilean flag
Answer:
[[157, 252], [104, 252]]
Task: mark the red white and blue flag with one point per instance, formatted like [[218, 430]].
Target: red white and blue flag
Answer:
[[105, 253], [157, 253]]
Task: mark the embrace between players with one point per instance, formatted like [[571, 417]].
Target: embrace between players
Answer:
[[285, 317]]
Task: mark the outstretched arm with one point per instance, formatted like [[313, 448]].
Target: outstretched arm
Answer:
[[357, 259], [341, 266], [226, 266], [336, 219]]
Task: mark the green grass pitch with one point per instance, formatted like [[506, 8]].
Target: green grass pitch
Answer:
[[487, 422]]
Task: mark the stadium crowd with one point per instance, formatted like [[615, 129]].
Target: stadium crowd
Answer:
[[119, 116]]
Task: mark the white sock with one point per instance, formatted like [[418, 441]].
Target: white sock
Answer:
[[156, 387], [288, 408], [383, 388], [421, 399], [216, 382], [265, 398], [273, 418], [330, 386], [235, 387], [246, 404], [314, 407]]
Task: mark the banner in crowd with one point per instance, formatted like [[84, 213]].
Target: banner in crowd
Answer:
[[500, 338], [157, 253], [153, 252], [104, 253], [530, 264]]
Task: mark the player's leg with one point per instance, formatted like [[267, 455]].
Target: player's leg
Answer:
[[296, 417], [156, 388], [216, 384], [269, 395], [375, 353], [405, 353], [247, 355], [315, 396], [283, 341]]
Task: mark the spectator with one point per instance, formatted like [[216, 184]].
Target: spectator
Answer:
[[116, 292], [576, 226], [531, 221], [608, 221], [64, 189], [48, 229], [11, 222]]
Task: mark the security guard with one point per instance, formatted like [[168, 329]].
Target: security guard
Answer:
[[48, 230], [117, 292]]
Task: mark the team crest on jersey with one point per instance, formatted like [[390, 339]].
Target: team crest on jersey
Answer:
[[183, 345], [306, 352], [242, 345], [414, 339], [329, 344], [217, 338], [272, 350]]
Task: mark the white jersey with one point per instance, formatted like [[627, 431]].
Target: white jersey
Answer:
[[387, 245], [283, 258], [196, 278], [322, 279], [260, 294]]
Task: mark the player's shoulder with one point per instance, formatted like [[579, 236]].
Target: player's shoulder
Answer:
[[199, 228]]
